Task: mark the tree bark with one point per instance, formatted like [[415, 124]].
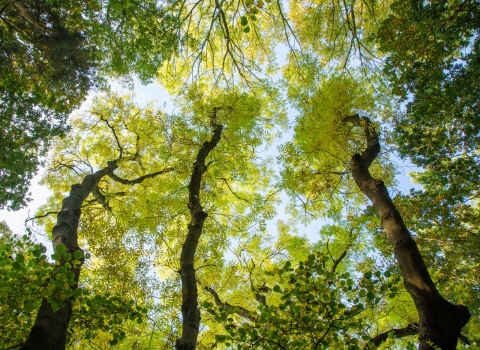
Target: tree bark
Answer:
[[407, 331], [440, 321], [50, 329], [190, 312]]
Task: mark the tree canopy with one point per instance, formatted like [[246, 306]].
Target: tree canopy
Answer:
[[188, 229]]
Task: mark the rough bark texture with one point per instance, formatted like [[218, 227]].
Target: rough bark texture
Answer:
[[190, 312], [440, 321], [50, 329]]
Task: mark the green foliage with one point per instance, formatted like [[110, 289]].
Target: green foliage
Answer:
[[340, 33], [446, 233], [258, 289], [97, 313], [317, 161], [51, 51], [46, 70], [313, 305], [433, 66], [26, 276]]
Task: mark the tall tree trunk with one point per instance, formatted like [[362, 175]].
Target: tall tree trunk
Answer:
[[190, 312], [440, 321], [50, 329]]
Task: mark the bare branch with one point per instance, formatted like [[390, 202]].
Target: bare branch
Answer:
[[375, 342], [141, 178], [243, 199], [120, 148]]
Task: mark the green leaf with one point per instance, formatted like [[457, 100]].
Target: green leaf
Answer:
[[244, 21], [20, 258], [246, 29], [78, 254], [118, 7], [61, 249]]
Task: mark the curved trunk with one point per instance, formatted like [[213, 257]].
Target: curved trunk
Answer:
[[440, 321], [50, 328], [190, 312]]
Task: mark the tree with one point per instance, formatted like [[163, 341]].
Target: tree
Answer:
[[129, 131], [440, 322], [308, 167], [235, 276], [432, 67], [433, 62], [46, 71], [53, 53]]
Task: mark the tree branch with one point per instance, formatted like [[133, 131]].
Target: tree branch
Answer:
[[120, 148], [407, 331], [337, 261], [226, 183], [139, 179], [23, 11], [228, 307]]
